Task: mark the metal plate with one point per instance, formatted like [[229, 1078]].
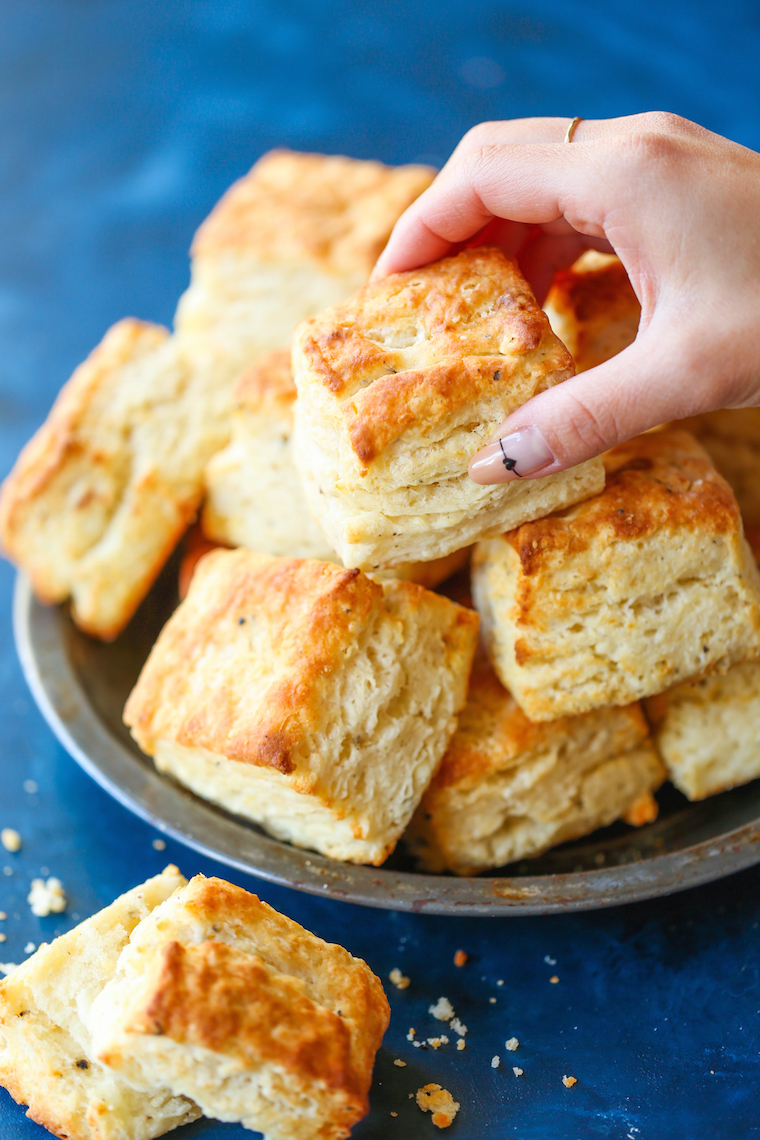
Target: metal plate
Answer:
[[81, 686]]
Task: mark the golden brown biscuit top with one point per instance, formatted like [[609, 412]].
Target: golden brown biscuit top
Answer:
[[662, 481], [413, 349], [234, 975], [596, 287], [241, 666], [267, 383], [493, 731], [335, 212]]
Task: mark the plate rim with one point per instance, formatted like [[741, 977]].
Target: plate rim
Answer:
[[75, 719]]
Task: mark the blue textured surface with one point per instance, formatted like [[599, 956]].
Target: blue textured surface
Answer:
[[120, 125]]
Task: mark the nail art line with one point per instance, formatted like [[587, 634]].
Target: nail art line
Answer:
[[508, 463]]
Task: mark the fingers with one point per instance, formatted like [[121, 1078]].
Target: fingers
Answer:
[[523, 171], [566, 425]]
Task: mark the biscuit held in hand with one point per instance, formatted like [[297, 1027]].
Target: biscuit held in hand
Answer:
[[229, 1003], [397, 389], [306, 697], [646, 584]]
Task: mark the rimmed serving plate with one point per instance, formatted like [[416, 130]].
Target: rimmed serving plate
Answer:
[[81, 685]]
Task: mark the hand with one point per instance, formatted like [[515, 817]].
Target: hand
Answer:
[[681, 208]]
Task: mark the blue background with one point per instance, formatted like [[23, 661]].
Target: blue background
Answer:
[[120, 125]]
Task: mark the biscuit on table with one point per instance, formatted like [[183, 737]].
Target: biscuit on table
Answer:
[[306, 697], [293, 236], [508, 788], [100, 496], [254, 496], [240, 1009], [46, 1055], [593, 309], [399, 386], [642, 586], [708, 731]]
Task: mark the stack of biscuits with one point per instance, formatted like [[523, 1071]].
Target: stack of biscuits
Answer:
[[313, 680]]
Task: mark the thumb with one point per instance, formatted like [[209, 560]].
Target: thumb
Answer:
[[646, 385]]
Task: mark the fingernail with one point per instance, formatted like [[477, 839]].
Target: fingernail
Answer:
[[512, 457]]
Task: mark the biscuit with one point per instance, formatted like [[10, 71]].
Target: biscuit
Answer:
[[648, 583], [241, 1010], [507, 788], [593, 309], [298, 233], [310, 699], [732, 439], [708, 731], [46, 1055], [400, 386], [99, 497], [254, 496]]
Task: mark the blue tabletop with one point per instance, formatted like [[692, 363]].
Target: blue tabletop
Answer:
[[120, 125]]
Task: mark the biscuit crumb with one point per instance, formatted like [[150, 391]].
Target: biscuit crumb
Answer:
[[411, 1034], [495, 1062], [500, 982], [10, 839], [461, 1044], [554, 979], [394, 1114], [30, 787], [436, 1042], [460, 958], [492, 1001], [512, 1044], [516, 1071], [3, 916], [643, 810], [458, 1027], [442, 1010], [398, 979], [7, 870], [401, 1064], [29, 948], [439, 1101], [568, 1082], [7, 967], [46, 897], [159, 844]]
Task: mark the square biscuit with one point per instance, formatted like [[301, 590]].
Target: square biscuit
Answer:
[[293, 236], [254, 496], [593, 309], [308, 698], [508, 788], [708, 731], [399, 386], [731, 437], [102, 493], [47, 1060], [648, 583], [241, 1010]]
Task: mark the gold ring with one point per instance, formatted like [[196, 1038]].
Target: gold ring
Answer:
[[571, 129]]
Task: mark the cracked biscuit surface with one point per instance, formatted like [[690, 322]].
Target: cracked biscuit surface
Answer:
[[47, 1059], [311, 699], [646, 584], [508, 788], [399, 387], [237, 1007]]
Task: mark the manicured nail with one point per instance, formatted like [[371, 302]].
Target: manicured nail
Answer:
[[512, 457]]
